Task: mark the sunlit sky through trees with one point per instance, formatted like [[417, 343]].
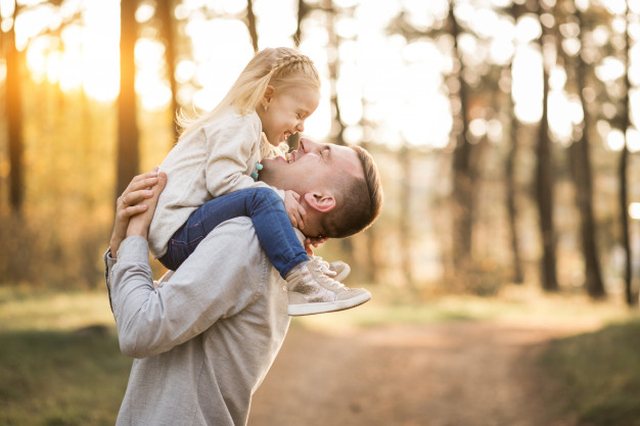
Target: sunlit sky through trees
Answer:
[[402, 82]]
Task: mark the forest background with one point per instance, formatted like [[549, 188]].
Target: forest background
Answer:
[[505, 131]]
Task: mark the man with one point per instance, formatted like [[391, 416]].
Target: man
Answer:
[[206, 335]]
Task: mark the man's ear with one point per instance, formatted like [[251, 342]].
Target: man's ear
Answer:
[[321, 202]]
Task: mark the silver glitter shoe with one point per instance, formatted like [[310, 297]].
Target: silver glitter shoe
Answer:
[[313, 291]]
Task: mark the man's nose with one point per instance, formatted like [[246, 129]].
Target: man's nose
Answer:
[[300, 126], [308, 145]]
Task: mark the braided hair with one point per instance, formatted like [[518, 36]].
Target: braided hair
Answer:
[[291, 64], [279, 67]]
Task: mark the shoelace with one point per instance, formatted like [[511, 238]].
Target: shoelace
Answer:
[[324, 267], [335, 285]]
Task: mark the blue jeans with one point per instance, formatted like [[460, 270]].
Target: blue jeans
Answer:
[[266, 210]]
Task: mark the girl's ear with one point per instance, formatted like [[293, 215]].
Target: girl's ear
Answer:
[[268, 95], [321, 202]]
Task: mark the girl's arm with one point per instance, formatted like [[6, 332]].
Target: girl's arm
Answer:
[[233, 154]]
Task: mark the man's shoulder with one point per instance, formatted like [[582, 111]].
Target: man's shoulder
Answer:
[[234, 245], [230, 253], [240, 222], [237, 233]]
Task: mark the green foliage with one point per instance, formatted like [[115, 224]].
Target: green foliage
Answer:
[[598, 375]]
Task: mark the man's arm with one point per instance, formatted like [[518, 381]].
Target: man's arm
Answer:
[[216, 281], [130, 203]]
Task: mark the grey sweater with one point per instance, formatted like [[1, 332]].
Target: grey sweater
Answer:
[[205, 336]]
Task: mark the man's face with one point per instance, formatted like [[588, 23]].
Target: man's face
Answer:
[[312, 167]]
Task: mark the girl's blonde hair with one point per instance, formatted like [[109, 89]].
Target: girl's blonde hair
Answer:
[[279, 67]]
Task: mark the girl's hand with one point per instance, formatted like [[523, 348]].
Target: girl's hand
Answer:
[[294, 209]]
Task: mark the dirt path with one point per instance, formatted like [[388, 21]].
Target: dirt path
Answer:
[[463, 373]]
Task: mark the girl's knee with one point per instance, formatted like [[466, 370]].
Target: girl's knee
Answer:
[[266, 194], [266, 197]]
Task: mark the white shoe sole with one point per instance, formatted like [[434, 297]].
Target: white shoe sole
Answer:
[[325, 307]]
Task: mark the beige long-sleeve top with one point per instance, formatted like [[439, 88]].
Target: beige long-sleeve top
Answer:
[[203, 339], [214, 160]]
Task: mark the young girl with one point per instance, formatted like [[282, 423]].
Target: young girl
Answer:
[[220, 152]]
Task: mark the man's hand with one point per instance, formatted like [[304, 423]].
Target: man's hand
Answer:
[[139, 224], [294, 209], [139, 197]]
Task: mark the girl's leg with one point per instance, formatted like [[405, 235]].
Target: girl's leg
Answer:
[[270, 220]]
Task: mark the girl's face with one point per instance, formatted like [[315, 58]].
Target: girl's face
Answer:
[[284, 111]]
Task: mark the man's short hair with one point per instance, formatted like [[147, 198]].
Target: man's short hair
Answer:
[[358, 200]]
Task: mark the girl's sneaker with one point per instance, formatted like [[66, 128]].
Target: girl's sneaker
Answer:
[[312, 290]]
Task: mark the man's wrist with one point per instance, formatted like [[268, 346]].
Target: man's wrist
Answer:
[[114, 245], [134, 248]]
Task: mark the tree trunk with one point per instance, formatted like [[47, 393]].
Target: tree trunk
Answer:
[[293, 140], [165, 13], [584, 187], [337, 126], [405, 216], [127, 158], [372, 237], [622, 173], [87, 148], [370, 268], [512, 211], [545, 184], [13, 100], [303, 9], [462, 168], [251, 25]]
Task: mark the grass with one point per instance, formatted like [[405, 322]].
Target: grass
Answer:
[[60, 363], [25, 308], [60, 378], [514, 305], [597, 374]]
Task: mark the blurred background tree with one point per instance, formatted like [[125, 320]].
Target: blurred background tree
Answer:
[[505, 130]]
